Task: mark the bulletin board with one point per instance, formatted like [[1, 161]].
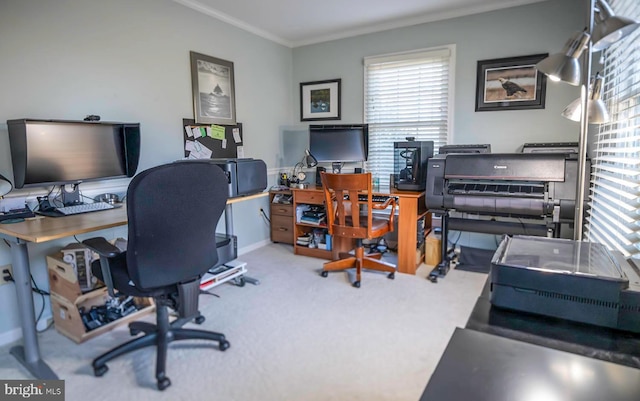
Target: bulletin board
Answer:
[[202, 140]]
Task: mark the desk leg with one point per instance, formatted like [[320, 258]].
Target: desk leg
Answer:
[[407, 235], [29, 353], [228, 227]]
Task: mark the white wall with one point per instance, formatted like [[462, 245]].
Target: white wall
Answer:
[[129, 61], [532, 29]]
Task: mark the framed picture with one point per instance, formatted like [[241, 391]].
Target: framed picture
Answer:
[[320, 100], [214, 100], [512, 83]]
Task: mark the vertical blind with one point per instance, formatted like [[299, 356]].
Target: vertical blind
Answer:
[[615, 179], [406, 95]]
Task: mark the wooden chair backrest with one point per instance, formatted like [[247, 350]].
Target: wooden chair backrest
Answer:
[[344, 217]]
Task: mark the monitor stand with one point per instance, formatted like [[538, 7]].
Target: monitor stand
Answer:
[[70, 198]]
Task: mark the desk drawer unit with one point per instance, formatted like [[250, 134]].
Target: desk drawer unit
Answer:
[[281, 219]]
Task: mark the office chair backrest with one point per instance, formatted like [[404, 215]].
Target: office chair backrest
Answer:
[[344, 215], [173, 211]]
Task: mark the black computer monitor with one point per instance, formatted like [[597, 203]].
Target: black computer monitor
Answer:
[[59, 152], [339, 143]]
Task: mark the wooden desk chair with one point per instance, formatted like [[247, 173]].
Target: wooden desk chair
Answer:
[[351, 218]]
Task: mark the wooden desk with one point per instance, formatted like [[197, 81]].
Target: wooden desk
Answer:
[[37, 230], [411, 207]]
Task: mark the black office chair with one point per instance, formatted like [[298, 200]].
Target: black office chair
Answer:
[[173, 211]]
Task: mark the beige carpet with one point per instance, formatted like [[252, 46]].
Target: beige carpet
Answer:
[[296, 336]]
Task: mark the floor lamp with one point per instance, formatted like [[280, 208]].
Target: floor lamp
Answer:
[[603, 29]]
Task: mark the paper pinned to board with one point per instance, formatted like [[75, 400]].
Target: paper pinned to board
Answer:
[[236, 135], [188, 131], [217, 132], [240, 152], [224, 143], [197, 150]]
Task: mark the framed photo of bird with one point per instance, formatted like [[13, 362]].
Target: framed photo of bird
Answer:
[[214, 98], [511, 83]]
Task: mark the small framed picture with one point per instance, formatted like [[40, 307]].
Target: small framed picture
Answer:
[[214, 99], [512, 83], [320, 100]]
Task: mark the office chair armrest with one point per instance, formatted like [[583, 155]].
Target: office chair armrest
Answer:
[[102, 247], [383, 205]]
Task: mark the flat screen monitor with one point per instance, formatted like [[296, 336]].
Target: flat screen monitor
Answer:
[[339, 143], [58, 152]]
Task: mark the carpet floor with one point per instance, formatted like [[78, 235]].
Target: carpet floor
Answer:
[[295, 336]]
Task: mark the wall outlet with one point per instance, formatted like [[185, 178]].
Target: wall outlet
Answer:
[[2, 269]]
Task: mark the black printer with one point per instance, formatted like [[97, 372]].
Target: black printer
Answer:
[[246, 176]]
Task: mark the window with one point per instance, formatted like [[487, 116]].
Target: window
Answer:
[[407, 95], [615, 179]]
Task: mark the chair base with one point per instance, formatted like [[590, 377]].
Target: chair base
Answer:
[[358, 261], [159, 335]]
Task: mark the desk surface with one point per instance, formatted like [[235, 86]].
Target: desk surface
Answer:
[[42, 229], [483, 367]]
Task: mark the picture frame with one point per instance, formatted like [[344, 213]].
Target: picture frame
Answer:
[[213, 89], [320, 100], [512, 83]]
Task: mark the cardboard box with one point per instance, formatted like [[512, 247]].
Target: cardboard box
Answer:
[[433, 249], [67, 319], [67, 299]]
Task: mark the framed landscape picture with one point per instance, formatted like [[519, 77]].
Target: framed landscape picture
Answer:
[[320, 100], [213, 90], [512, 83]]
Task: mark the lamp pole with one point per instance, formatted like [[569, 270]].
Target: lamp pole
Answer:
[[584, 131]]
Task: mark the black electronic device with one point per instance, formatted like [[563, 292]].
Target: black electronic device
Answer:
[[245, 176], [464, 148], [551, 147], [319, 170], [410, 164], [61, 152], [574, 280], [339, 143]]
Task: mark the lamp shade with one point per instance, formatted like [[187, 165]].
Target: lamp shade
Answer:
[[564, 66], [5, 186], [597, 111], [309, 160], [609, 28]]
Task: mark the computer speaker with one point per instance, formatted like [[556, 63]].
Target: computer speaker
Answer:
[[318, 179]]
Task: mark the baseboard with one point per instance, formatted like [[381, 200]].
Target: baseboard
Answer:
[[10, 336], [253, 246]]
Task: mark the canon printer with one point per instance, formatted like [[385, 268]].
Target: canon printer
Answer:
[[245, 176]]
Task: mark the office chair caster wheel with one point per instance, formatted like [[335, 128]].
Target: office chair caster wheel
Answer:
[[239, 281], [163, 383], [101, 370], [433, 279], [324, 274], [224, 345], [356, 284], [199, 319]]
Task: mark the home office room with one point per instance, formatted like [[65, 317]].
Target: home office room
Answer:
[[233, 295]]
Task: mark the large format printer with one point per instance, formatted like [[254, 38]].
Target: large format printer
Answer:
[[503, 193]]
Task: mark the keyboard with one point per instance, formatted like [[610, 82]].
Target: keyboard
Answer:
[[84, 208], [374, 198]]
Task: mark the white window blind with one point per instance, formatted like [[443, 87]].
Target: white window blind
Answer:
[[406, 95], [615, 179]]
